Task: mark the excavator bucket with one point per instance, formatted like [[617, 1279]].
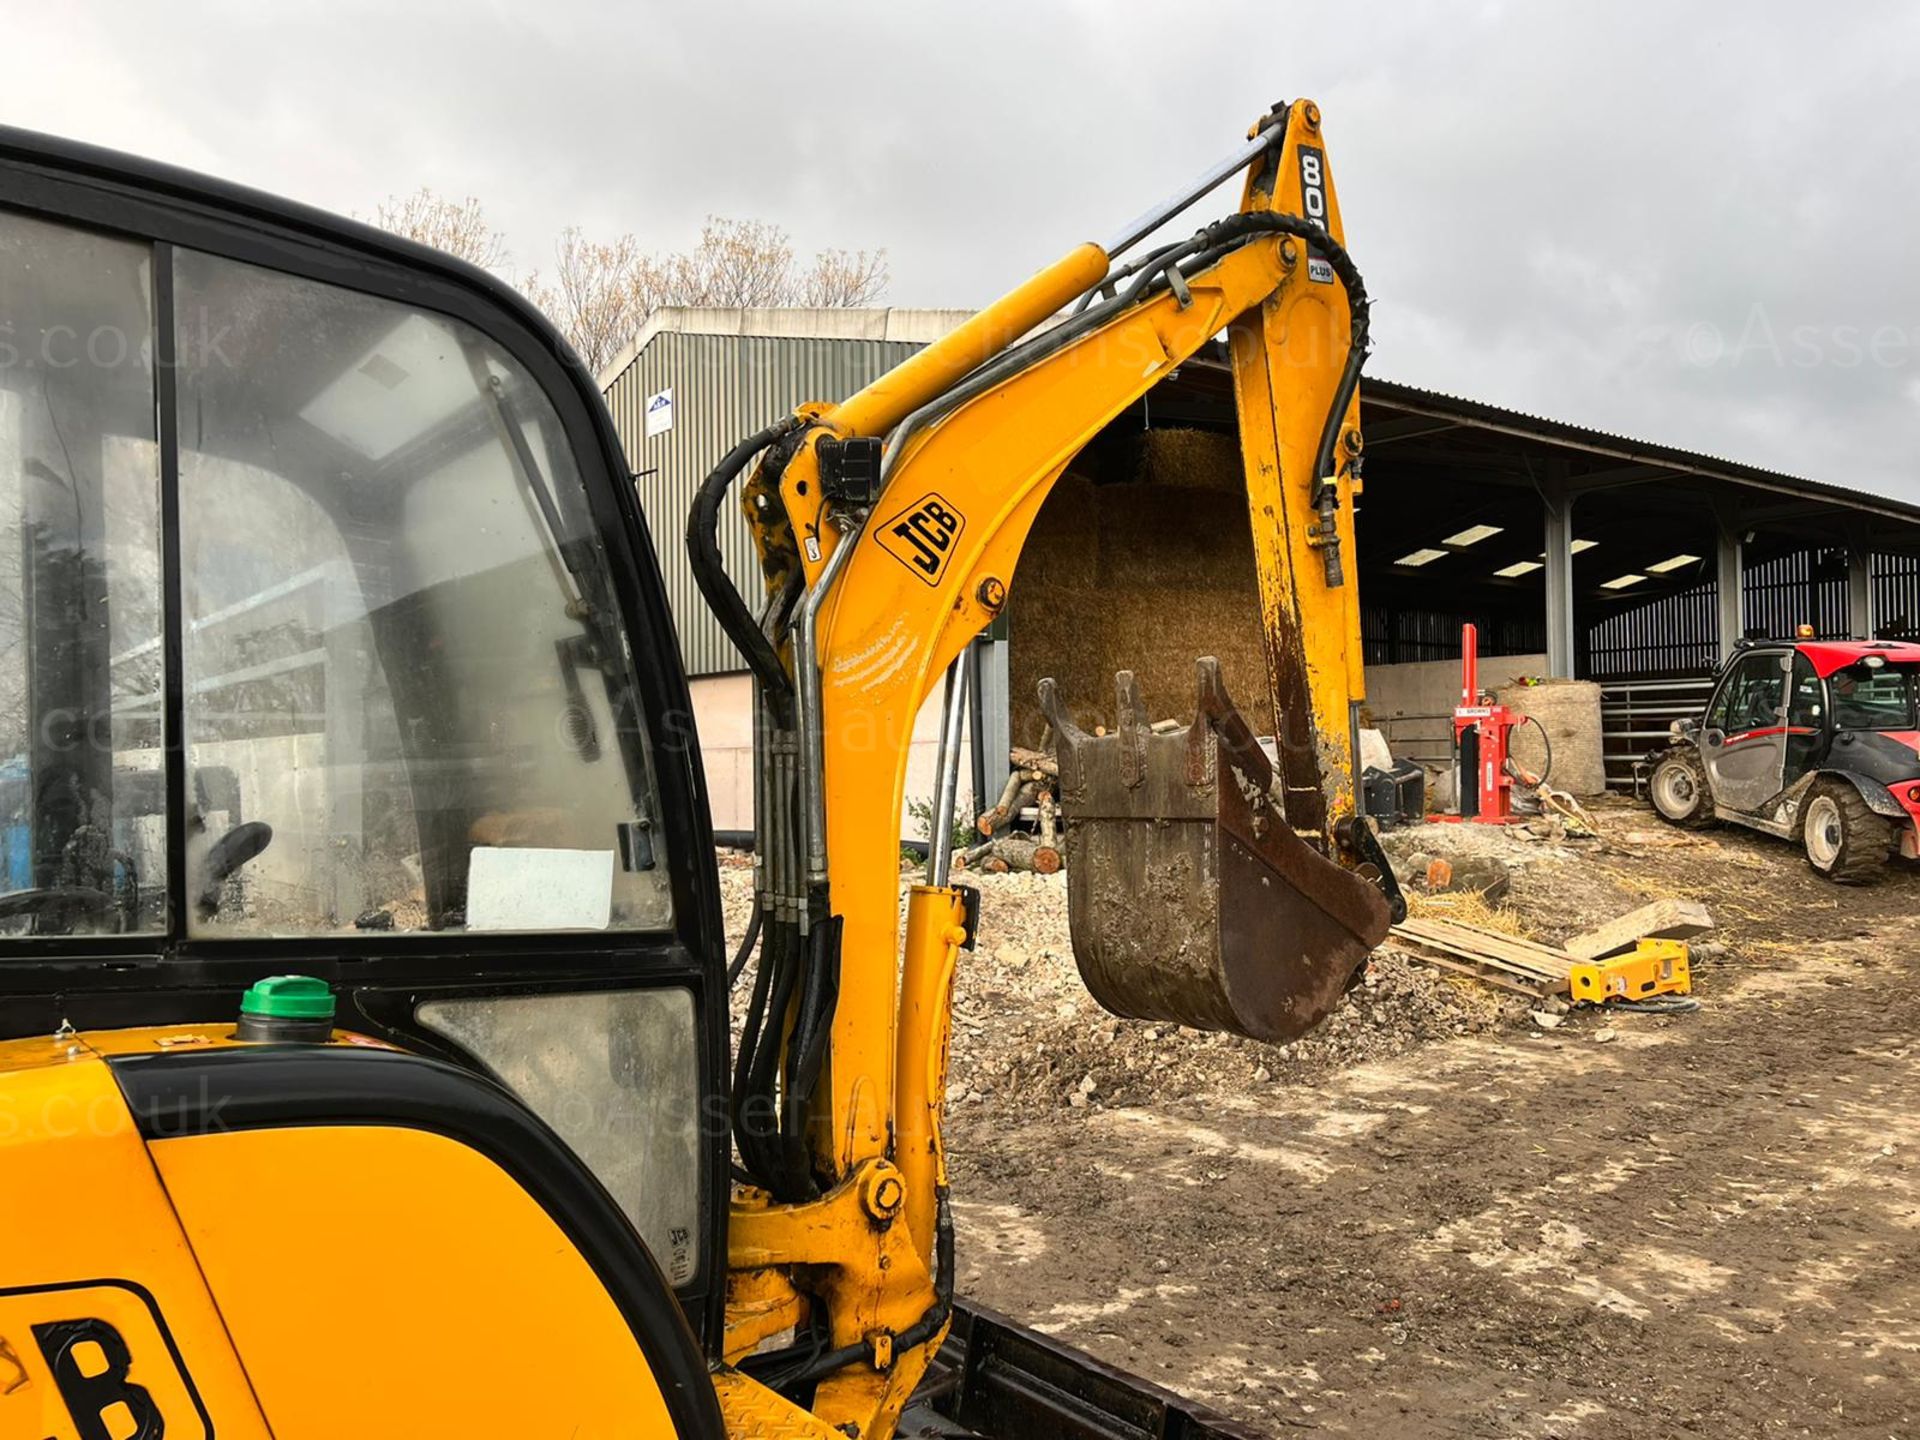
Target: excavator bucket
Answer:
[[1190, 899]]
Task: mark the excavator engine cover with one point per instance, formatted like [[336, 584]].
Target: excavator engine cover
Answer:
[[1190, 898]]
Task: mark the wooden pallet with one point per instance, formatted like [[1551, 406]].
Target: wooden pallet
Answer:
[[1523, 966]]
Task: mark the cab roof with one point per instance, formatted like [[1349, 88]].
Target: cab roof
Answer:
[[1828, 656]]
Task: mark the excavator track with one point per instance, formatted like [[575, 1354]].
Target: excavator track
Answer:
[[995, 1379]]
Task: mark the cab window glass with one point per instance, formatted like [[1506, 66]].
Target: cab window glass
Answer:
[[82, 799], [1751, 697], [1807, 706], [616, 1074], [409, 703], [1873, 697]]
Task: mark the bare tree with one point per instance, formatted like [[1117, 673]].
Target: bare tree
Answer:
[[844, 278], [458, 227], [600, 293], [736, 262]]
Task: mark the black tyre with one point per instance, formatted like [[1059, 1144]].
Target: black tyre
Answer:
[[1679, 789], [1845, 841]]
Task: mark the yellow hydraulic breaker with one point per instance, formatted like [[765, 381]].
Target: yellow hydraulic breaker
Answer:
[[1653, 967]]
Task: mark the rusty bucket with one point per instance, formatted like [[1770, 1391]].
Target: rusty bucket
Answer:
[[1190, 899]]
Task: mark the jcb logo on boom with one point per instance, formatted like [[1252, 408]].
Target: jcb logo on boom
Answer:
[[923, 536]]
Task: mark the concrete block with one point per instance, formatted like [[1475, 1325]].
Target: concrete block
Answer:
[[1662, 920]]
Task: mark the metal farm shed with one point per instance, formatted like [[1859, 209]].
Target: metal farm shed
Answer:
[[1577, 553], [727, 373]]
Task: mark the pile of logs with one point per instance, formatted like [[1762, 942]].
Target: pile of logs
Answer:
[[1035, 782]]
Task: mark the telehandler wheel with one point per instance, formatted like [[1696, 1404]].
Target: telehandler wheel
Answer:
[[1679, 789], [1846, 842]]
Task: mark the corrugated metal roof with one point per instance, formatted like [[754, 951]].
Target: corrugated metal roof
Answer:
[[1539, 427]]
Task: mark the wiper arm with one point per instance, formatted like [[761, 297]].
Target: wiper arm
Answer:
[[226, 855], [533, 483], [67, 902]]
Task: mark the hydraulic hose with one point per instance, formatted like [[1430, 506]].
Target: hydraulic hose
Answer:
[[747, 941], [806, 1048], [1234, 227], [1546, 742], [757, 1127], [1657, 1005], [746, 1115], [710, 567], [936, 1314], [786, 1368], [1145, 277]]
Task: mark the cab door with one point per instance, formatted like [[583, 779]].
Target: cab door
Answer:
[[1745, 740]]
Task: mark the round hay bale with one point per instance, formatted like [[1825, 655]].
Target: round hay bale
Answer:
[[1569, 711]]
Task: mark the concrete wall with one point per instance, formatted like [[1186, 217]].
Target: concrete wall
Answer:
[[1432, 687], [1409, 702], [723, 713]]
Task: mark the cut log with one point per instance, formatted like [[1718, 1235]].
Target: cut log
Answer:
[[1014, 852], [1025, 759]]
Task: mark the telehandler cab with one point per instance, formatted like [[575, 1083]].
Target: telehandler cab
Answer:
[[1810, 740], [365, 1064]]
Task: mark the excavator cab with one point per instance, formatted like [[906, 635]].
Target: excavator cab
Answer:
[[335, 648]]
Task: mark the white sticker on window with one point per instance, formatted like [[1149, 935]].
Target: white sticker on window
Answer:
[[529, 889]]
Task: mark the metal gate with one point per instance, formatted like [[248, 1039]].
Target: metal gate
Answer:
[[1635, 716]]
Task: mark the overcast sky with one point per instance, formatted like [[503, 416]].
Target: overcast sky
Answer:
[[1690, 223]]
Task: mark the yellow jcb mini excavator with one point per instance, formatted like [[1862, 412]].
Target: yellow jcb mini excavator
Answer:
[[365, 1065]]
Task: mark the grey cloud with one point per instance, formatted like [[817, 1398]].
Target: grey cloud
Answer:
[[1558, 207]]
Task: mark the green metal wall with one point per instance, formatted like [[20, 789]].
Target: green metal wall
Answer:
[[725, 387]]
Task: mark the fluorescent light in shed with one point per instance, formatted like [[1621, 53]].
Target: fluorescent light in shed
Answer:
[[1473, 535], [1621, 582], [1673, 562], [1421, 557], [1517, 569], [1580, 545]]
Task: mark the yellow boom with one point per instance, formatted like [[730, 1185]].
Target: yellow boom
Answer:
[[890, 527]]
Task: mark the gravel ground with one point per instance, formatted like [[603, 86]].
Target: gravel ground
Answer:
[[1026, 1032]]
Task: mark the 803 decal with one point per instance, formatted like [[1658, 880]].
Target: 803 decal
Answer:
[[1313, 202]]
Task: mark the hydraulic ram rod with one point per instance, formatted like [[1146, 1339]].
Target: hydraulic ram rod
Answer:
[[1150, 220]]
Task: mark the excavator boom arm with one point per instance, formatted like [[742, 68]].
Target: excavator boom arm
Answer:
[[890, 528]]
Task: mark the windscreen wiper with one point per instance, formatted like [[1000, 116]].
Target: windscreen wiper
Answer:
[[61, 903]]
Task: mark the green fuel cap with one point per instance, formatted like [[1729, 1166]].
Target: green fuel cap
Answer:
[[289, 997]]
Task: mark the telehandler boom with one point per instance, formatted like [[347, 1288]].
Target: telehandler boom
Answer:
[[346, 701]]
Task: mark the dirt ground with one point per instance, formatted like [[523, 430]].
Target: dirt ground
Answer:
[[1703, 1222], [1435, 1217]]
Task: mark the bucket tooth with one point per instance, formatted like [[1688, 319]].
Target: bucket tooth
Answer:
[[1190, 899]]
